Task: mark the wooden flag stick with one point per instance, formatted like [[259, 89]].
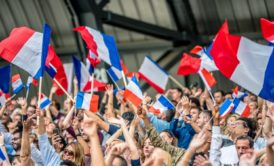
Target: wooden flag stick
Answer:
[[27, 94], [63, 89], [176, 82], [124, 78], [214, 102], [40, 91]]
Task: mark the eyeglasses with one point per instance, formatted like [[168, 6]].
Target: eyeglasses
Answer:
[[68, 152]]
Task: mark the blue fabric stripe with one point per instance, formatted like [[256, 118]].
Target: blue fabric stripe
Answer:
[[267, 91], [113, 52], [18, 89], [236, 102], [51, 71], [45, 45], [5, 79], [45, 103], [79, 100], [2, 156], [77, 70], [112, 74], [134, 79], [157, 65], [207, 51], [162, 99], [226, 104]]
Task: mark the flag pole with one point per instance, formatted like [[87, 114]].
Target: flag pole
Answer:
[[113, 81], [92, 84], [124, 78], [207, 88], [63, 89], [27, 94], [40, 91], [176, 82]]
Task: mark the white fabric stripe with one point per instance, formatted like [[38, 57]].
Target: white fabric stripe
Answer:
[[160, 106], [102, 49], [84, 76], [117, 72], [204, 80], [135, 89], [29, 57], [86, 101], [207, 63], [240, 108], [255, 58], [153, 73]]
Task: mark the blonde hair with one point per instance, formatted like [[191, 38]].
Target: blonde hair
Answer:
[[79, 156]]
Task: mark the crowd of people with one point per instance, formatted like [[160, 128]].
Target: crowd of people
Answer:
[[122, 134]]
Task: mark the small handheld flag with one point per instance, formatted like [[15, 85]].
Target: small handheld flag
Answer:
[[17, 84], [153, 74], [241, 108], [162, 104], [114, 74], [133, 92], [226, 108], [45, 102], [207, 78], [87, 101]]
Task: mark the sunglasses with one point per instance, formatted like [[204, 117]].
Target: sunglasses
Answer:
[[68, 152]]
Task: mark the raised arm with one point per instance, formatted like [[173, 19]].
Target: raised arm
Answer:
[[25, 153], [90, 128], [68, 117], [110, 109]]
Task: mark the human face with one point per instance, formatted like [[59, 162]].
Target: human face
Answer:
[[239, 128], [252, 105], [16, 142], [202, 120], [17, 118], [218, 97], [148, 148], [176, 95], [242, 147], [67, 104], [230, 123], [69, 153], [194, 114], [166, 137]]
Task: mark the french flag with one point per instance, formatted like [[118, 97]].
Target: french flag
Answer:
[[206, 60], [92, 61], [25, 48], [83, 78], [101, 45], [241, 108], [133, 92], [238, 94], [56, 70], [162, 104], [267, 28], [17, 84], [114, 74], [226, 108], [45, 102], [207, 78], [87, 101], [5, 78], [245, 62], [153, 74]]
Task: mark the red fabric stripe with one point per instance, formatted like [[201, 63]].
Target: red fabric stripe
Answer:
[[154, 111], [93, 107], [15, 77], [88, 38], [246, 112], [267, 28], [196, 49], [151, 83], [10, 46], [189, 65], [132, 98], [209, 78], [224, 52]]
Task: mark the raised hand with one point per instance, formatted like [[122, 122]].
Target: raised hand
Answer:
[[22, 102], [198, 140], [202, 161], [90, 126], [109, 89], [248, 159]]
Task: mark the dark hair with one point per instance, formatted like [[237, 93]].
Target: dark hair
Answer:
[[17, 131], [251, 124], [169, 115], [220, 91], [174, 139], [245, 137], [195, 101], [122, 160], [179, 90], [129, 116], [67, 163], [56, 104]]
